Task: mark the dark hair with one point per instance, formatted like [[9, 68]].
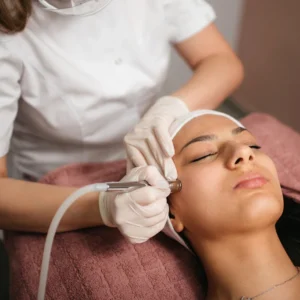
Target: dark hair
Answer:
[[14, 15], [288, 229]]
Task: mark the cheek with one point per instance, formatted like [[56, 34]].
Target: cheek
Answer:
[[262, 207], [198, 201], [269, 165], [200, 180]]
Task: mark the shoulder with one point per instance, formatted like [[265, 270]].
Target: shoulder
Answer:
[[8, 58], [187, 17], [188, 8]]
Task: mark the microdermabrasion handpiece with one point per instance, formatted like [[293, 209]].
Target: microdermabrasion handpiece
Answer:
[[175, 186]]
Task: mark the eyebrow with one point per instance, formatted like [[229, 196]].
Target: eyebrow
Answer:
[[211, 137]]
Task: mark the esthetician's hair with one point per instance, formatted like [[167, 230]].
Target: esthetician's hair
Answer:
[[14, 15]]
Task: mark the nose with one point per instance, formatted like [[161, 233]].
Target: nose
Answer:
[[239, 156]]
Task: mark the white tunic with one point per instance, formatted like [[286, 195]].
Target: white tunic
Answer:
[[71, 87]]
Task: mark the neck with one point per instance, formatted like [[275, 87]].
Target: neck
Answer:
[[246, 265]]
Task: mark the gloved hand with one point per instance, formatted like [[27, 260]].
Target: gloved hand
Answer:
[[141, 213], [150, 142]]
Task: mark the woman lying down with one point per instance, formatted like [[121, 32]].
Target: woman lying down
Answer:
[[231, 212]]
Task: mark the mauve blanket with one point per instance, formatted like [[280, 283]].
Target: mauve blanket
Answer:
[[96, 264]]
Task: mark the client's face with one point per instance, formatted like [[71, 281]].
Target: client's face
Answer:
[[229, 185]]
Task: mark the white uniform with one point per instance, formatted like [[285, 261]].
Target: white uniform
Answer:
[[75, 85]]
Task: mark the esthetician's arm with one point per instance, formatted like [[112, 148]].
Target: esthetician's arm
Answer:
[[217, 70], [139, 214], [28, 206]]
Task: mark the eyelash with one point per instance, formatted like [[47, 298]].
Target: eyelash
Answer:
[[210, 154], [203, 157], [255, 147]]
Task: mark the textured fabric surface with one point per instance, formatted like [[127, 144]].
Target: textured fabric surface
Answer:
[[99, 264]]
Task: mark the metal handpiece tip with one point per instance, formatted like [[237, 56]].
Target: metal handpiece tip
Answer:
[[175, 186]]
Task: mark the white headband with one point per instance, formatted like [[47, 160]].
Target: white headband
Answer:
[[173, 130]]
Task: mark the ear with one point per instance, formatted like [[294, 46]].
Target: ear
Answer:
[[3, 168], [176, 221]]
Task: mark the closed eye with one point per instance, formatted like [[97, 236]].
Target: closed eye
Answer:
[[255, 147], [214, 153], [203, 157]]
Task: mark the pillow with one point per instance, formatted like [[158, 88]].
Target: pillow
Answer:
[[98, 263]]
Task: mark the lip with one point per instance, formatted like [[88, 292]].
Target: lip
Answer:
[[251, 181]]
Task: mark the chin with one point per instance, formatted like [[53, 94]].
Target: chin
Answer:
[[262, 208]]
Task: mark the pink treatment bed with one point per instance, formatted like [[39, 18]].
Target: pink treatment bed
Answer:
[[99, 264]]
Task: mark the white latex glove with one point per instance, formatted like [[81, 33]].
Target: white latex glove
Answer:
[[141, 213], [150, 142]]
